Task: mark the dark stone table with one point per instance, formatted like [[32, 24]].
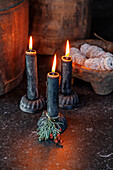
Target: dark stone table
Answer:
[[88, 140]]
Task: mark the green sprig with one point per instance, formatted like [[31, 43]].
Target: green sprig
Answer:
[[48, 127]]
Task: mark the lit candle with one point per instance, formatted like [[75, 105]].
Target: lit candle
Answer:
[[52, 91], [31, 70], [51, 119], [32, 102], [66, 71], [67, 98]]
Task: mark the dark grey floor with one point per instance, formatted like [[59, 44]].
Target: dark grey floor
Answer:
[[88, 140]]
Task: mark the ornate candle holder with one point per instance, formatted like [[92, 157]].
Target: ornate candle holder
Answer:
[[67, 98], [32, 102], [55, 121]]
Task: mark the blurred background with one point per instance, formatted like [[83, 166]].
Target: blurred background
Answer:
[[51, 23], [102, 18], [75, 19]]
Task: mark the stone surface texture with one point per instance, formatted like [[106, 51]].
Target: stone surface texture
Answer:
[[88, 139]]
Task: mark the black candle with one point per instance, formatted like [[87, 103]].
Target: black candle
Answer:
[[31, 70], [52, 94], [32, 102], [66, 72], [67, 98], [52, 91], [32, 76], [51, 119]]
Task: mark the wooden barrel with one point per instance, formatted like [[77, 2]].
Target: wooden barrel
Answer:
[[52, 22], [13, 42]]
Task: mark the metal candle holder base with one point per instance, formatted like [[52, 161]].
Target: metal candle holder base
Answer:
[[68, 101], [32, 106], [60, 119]]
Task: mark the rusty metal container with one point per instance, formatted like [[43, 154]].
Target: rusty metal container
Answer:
[[52, 22], [14, 17]]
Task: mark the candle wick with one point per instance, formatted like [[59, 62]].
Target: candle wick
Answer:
[[30, 50], [53, 73], [67, 56]]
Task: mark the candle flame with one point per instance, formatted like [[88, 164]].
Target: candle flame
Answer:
[[54, 64], [30, 43], [67, 48]]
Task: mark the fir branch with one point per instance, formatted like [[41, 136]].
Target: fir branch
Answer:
[[48, 128]]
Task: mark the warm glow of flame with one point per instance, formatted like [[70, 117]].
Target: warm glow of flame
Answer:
[[30, 43], [67, 48], [54, 64]]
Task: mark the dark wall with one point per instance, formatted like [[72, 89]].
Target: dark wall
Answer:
[[102, 18]]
